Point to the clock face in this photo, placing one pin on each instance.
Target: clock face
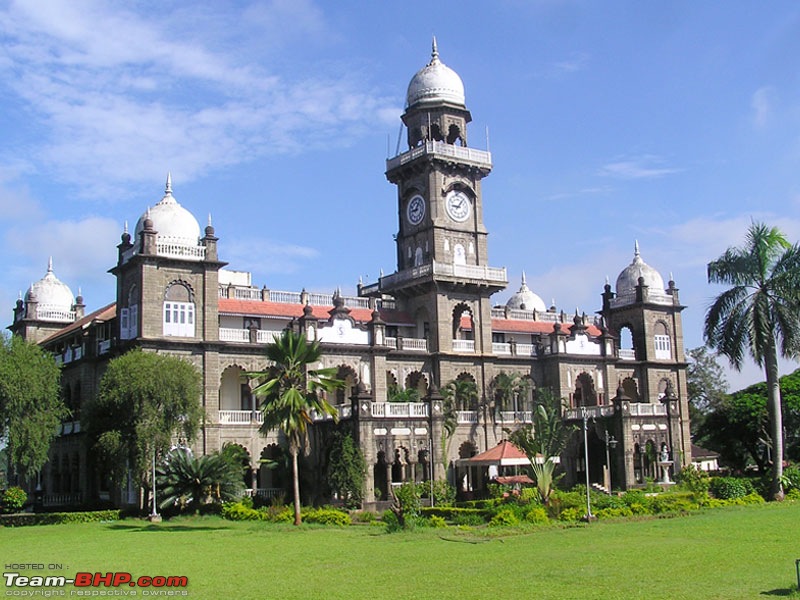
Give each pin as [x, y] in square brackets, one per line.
[458, 206]
[415, 211]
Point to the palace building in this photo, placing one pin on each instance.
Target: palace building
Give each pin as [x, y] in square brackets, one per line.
[621, 371]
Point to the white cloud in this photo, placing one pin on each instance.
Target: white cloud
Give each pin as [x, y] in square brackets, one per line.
[762, 105]
[646, 166]
[122, 96]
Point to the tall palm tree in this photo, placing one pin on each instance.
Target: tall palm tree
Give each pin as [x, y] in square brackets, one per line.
[759, 315]
[291, 392]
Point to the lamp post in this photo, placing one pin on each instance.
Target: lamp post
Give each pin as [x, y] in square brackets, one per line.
[611, 442]
[588, 517]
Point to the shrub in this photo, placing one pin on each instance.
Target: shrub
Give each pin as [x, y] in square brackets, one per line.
[452, 513]
[791, 478]
[468, 519]
[435, 521]
[326, 516]
[237, 511]
[793, 494]
[536, 514]
[678, 502]
[23, 519]
[570, 515]
[366, 516]
[530, 495]
[693, 480]
[13, 499]
[504, 518]
[444, 494]
[726, 488]
[607, 513]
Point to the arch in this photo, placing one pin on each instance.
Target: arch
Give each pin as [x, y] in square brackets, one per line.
[463, 330]
[379, 473]
[234, 390]
[179, 309]
[631, 389]
[454, 135]
[179, 290]
[465, 392]
[418, 381]
[240, 455]
[274, 471]
[418, 257]
[662, 343]
[626, 338]
[585, 394]
[347, 374]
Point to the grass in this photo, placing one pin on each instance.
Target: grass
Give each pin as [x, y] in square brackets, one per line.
[735, 552]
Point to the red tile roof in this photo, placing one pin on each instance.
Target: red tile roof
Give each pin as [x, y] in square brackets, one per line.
[229, 306]
[505, 453]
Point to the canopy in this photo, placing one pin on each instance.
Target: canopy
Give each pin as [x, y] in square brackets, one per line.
[505, 454]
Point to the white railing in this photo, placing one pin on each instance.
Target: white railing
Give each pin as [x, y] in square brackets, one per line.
[266, 336]
[496, 274]
[415, 344]
[519, 416]
[178, 250]
[391, 342]
[526, 350]
[103, 346]
[233, 335]
[45, 312]
[639, 409]
[654, 296]
[235, 417]
[501, 348]
[404, 275]
[592, 412]
[399, 409]
[480, 157]
[463, 345]
[467, 416]
[627, 354]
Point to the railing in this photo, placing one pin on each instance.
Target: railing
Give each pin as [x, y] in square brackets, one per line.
[467, 416]
[463, 345]
[266, 336]
[45, 312]
[627, 354]
[640, 409]
[399, 409]
[178, 250]
[592, 412]
[526, 350]
[496, 274]
[501, 348]
[479, 157]
[414, 344]
[268, 493]
[284, 297]
[523, 416]
[654, 296]
[235, 417]
[71, 499]
[233, 335]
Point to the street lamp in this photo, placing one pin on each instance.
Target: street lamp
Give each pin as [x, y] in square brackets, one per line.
[588, 517]
[611, 442]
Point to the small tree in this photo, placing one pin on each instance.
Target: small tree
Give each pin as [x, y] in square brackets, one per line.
[347, 469]
[145, 400]
[189, 483]
[706, 384]
[291, 392]
[30, 407]
[544, 440]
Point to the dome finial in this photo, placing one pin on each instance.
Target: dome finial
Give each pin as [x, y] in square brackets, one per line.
[434, 50]
[125, 227]
[50, 265]
[168, 189]
[209, 219]
[636, 248]
[523, 278]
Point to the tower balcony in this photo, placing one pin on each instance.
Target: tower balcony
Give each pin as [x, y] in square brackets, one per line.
[480, 159]
[476, 275]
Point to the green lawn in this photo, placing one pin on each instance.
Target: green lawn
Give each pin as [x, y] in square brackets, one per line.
[728, 553]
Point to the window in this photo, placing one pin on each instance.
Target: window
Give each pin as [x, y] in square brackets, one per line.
[663, 346]
[179, 319]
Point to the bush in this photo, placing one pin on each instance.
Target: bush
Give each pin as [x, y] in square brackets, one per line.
[530, 495]
[366, 516]
[570, 515]
[504, 518]
[727, 488]
[607, 513]
[537, 515]
[469, 519]
[13, 499]
[678, 502]
[237, 511]
[23, 519]
[326, 516]
[453, 514]
[791, 478]
[444, 494]
[435, 521]
[693, 480]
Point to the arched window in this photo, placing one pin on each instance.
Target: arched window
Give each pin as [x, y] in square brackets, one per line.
[662, 342]
[234, 391]
[585, 394]
[179, 310]
[459, 255]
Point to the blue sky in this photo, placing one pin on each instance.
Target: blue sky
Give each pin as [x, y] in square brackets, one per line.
[671, 123]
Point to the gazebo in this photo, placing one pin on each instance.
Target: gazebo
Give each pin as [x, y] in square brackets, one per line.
[501, 463]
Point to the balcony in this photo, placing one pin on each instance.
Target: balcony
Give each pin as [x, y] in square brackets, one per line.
[479, 158]
[464, 346]
[626, 354]
[239, 417]
[402, 410]
[467, 416]
[518, 416]
[592, 412]
[639, 409]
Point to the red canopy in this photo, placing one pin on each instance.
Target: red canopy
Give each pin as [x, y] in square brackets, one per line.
[505, 454]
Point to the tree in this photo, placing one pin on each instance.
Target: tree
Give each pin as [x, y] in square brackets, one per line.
[509, 389]
[759, 315]
[30, 407]
[706, 384]
[347, 469]
[458, 394]
[292, 392]
[543, 440]
[188, 482]
[145, 400]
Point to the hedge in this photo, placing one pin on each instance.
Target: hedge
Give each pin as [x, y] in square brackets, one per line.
[59, 518]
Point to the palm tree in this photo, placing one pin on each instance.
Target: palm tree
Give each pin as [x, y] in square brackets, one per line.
[292, 392]
[190, 482]
[759, 315]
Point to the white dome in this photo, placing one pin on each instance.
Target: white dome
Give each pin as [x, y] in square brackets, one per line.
[525, 299]
[435, 82]
[173, 223]
[50, 292]
[629, 278]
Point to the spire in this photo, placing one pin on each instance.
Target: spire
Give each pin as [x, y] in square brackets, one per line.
[434, 51]
[636, 249]
[209, 219]
[168, 189]
[50, 265]
[523, 278]
[125, 227]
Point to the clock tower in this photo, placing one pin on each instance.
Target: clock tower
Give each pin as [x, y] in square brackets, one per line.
[443, 275]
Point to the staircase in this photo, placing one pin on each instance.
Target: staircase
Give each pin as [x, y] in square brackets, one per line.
[601, 488]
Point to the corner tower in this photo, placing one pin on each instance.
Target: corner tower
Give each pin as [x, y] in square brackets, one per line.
[443, 273]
